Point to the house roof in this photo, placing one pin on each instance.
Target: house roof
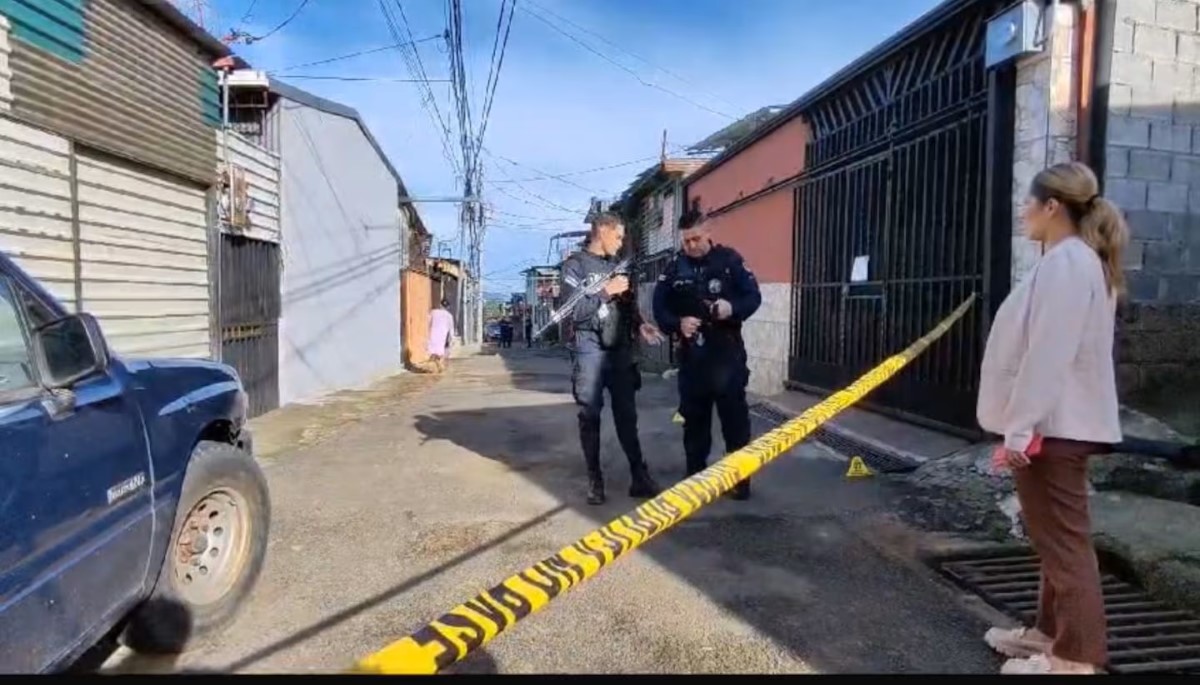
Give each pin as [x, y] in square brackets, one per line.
[683, 166]
[307, 99]
[734, 132]
[168, 11]
[942, 13]
[549, 270]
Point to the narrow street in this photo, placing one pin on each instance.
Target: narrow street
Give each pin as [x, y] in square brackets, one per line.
[409, 511]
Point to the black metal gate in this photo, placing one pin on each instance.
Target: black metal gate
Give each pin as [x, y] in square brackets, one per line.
[895, 223]
[249, 316]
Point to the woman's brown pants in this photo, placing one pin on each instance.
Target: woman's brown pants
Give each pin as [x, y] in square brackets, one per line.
[1053, 491]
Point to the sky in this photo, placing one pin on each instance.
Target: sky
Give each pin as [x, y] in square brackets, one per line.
[585, 92]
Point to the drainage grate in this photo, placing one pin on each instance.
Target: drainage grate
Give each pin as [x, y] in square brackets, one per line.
[1144, 634]
[878, 459]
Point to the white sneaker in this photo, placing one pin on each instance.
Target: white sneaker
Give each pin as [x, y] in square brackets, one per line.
[1017, 643]
[1038, 664]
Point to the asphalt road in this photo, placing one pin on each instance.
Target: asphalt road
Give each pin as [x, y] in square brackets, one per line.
[420, 501]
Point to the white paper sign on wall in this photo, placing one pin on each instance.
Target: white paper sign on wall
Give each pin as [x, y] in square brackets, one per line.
[859, 269]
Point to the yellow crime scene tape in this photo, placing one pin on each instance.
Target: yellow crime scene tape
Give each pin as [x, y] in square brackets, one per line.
[470, 625]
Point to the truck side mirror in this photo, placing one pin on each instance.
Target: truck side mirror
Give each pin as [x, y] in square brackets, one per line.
[70, 349]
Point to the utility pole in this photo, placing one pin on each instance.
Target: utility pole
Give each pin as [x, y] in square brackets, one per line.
[662, 155]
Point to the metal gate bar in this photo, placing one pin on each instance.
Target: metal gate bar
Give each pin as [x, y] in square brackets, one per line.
[898, 174]
[249, 313]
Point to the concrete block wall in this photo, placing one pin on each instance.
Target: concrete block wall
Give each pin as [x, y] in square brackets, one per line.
[1045, 129]
[1153, 174]
[767, 335]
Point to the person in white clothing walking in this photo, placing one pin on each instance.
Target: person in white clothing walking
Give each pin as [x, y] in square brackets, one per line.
[441, 327]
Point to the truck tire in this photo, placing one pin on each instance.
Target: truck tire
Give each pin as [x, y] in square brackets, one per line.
[215, 555]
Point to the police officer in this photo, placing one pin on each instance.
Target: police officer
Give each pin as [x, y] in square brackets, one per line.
[605, 324]
[703, 296]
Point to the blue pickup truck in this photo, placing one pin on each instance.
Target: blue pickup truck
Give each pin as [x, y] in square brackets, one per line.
[131, 507]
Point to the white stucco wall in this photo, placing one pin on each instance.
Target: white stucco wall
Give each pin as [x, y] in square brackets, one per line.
[341, 258]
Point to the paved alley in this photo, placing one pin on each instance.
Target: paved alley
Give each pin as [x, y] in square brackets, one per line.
[404, 513]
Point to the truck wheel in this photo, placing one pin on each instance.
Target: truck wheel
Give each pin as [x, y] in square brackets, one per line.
[215, 554]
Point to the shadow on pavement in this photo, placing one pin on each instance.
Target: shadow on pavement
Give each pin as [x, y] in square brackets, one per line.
[792, 562]
[308, 632]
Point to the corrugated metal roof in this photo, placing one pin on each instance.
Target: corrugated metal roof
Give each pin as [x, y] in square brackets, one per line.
[935, 17]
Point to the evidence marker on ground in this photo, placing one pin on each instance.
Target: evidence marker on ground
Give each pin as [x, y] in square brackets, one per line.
[858, 469]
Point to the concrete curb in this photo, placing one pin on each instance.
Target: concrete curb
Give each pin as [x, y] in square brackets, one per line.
[847, 434]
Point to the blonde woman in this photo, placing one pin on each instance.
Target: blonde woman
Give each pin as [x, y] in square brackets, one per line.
[1048, 386]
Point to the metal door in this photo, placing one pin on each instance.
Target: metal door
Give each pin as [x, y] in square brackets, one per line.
[250, 310]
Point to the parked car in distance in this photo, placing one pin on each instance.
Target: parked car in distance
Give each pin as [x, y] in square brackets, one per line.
[491, 332]
[131, 506]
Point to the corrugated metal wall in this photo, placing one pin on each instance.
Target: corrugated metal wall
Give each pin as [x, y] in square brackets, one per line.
[35, 206]
[261, 170]
[144, 257]
[657, 220]
[115, 76]
[5, 70]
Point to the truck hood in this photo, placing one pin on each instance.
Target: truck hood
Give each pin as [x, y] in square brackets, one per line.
[193, 368]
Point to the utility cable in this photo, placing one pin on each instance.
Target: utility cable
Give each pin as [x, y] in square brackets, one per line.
[624, 68]
[634, 55]
[285, 22]
[360, 53]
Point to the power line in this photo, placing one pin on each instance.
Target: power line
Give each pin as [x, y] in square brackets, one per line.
[546, 174]
[249, 10]
[428, 101]
[490, 97]
[622, 67]
[546, 204]
[360, 53]
[634, 55]
[526, 217]
[582, 172]
[515, 266]
[248, 39]
[385, 79]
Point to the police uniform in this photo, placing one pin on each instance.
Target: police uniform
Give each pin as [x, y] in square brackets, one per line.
[602, 359]
[712, 363]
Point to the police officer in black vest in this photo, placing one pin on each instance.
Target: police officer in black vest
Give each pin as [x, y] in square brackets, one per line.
[703, 296]
[605, 325]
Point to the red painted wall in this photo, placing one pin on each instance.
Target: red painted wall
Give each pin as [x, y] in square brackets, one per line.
[760, 229]
[762, 232]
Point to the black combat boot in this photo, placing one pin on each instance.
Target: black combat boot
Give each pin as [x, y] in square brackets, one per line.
[741, 491]
[642, 485]
[595, 494]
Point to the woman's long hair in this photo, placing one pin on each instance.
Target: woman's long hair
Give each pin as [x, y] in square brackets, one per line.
[1098, 221]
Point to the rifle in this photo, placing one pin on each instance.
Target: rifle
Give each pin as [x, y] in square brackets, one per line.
[621, 269]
